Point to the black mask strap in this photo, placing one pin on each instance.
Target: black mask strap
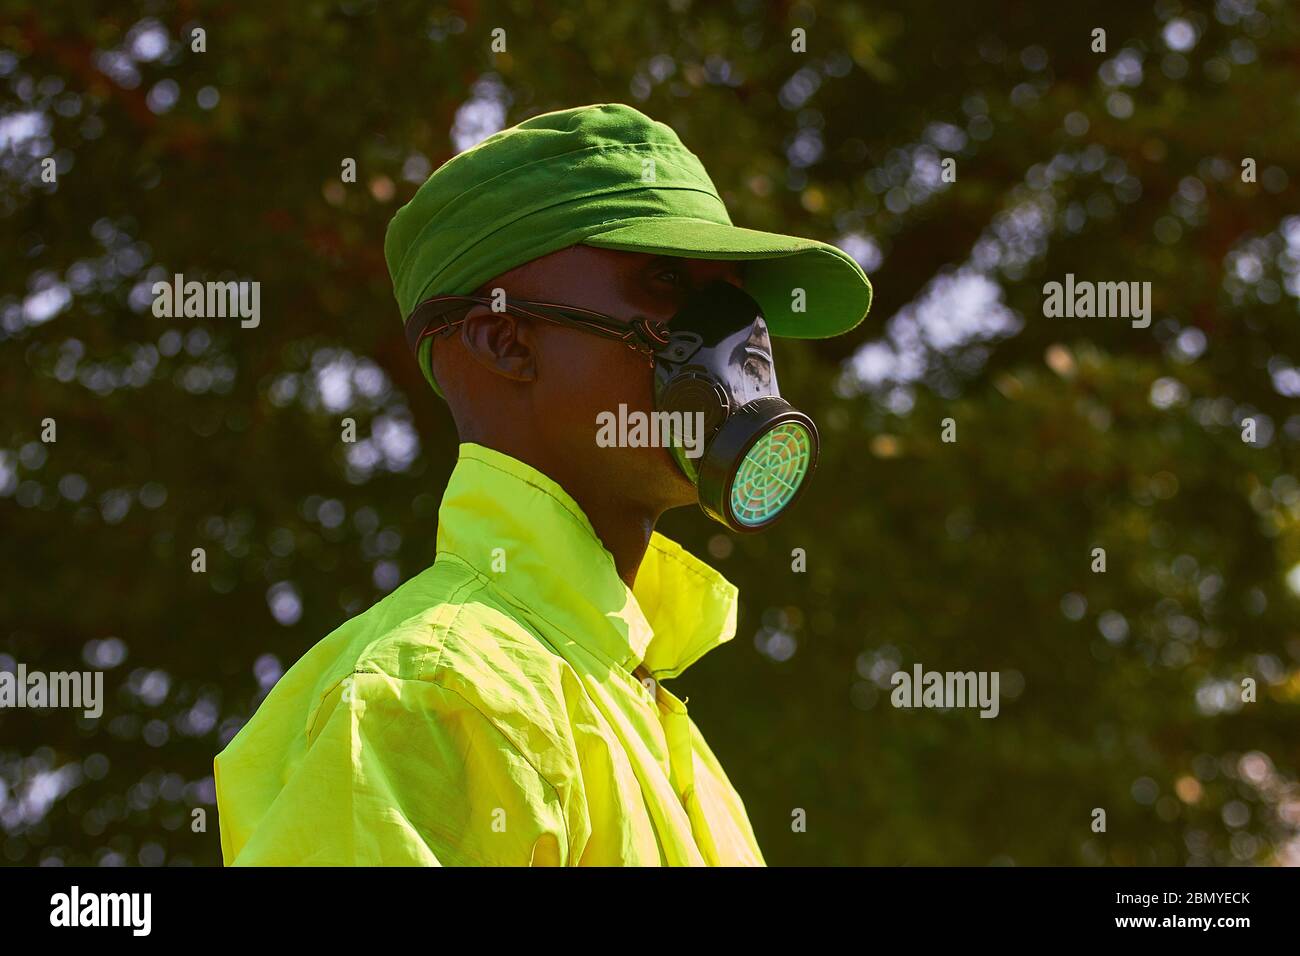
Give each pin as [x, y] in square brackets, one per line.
[439, 314]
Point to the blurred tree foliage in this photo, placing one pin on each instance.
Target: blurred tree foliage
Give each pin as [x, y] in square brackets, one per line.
[1121, 690]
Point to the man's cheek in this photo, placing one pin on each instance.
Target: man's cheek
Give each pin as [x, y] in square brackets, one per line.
[628, 382]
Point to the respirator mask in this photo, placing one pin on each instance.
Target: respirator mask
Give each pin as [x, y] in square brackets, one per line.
[712, 364]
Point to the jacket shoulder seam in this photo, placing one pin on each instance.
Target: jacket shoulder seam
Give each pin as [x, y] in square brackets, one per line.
[433, 681]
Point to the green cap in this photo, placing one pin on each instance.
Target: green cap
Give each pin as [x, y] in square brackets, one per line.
[606, 176]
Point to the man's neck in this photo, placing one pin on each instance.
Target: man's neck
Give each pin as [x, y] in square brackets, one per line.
[624, 527]
[623, 530]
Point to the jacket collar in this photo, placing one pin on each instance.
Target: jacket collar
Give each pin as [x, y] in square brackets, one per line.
[522, 531]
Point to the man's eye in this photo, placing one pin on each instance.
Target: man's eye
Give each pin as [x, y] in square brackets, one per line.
[673, 276]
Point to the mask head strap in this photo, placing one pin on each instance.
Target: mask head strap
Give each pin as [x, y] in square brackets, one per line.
[437, 315]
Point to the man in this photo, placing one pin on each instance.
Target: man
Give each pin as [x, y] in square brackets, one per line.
[504, 706]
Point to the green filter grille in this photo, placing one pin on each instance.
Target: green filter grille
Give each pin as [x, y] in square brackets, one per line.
[771, 474]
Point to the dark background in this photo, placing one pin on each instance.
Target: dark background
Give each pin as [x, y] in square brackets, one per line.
[1120, 690]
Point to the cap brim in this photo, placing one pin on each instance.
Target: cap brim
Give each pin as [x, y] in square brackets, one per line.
[836, 292]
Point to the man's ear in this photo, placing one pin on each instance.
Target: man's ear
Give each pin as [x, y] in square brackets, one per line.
[500, 342]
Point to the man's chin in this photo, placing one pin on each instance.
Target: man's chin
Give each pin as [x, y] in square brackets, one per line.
[680, 490]
[690, 502]
[667, 488]
[683, 494]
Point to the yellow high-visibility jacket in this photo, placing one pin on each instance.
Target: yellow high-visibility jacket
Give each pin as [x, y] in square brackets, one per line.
[486, 712]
